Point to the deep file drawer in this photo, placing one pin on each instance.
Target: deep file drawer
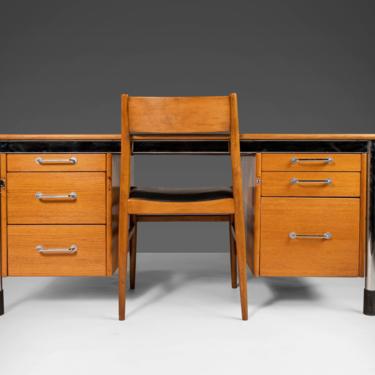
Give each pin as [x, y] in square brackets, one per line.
[56, 198]
[309, 237]
[56, 250]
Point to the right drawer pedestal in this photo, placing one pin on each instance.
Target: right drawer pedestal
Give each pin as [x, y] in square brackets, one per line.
[307, 215]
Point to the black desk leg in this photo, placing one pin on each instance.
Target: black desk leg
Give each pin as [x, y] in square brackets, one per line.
[369, 295]
[1, 302]
[1, 265]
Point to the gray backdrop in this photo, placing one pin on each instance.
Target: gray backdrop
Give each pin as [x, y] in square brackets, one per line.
[298, 66]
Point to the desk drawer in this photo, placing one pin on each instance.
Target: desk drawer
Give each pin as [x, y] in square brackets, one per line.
[311, 184]
[56, 250]
[311, 162]
[56, 162]
[285, 251]
[56, 198]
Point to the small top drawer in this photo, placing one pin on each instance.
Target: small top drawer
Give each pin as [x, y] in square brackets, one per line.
[56, 162]
[311, 162]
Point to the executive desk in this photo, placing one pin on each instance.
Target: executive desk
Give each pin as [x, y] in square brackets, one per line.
[35, 223]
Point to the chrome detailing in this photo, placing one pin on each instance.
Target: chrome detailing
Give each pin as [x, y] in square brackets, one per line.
[70, 250]
[295, 160]
[295, 181]
[71, 196]
[73, 160]
[324, 236]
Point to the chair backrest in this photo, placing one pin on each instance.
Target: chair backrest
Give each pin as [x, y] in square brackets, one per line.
[175, 116]
[178, 115]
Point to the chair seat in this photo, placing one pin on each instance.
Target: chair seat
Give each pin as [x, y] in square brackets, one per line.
[180, 195]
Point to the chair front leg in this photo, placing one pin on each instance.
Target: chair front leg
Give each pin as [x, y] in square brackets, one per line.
[241, 256]
[233, 256]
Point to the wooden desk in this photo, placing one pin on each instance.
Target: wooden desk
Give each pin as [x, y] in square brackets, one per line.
[19, 230]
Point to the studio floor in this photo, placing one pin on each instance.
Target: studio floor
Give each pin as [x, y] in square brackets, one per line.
[184, 318]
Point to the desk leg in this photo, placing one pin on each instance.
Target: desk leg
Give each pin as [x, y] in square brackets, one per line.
[369, 294]
[1, 297]
[1, 260]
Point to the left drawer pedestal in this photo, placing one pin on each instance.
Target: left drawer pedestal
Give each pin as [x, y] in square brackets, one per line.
[58, 215]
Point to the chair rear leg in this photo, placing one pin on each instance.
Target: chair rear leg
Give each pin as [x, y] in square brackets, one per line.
[133, 252]
[233, 256]
[123, 248]
[241, 256]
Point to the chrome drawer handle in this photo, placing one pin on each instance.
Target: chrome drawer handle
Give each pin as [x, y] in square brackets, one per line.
[324, 236]
[71, 196]
[295, 160]
[70, 250]
[295, 181]
[73, 160]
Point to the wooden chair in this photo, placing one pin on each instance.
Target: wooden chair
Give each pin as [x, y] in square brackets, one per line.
[145, 118]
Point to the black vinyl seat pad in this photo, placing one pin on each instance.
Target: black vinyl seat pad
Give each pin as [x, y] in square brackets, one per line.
[180, 195]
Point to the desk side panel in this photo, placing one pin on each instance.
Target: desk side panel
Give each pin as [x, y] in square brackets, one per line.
[113, 170]
[251, 196]
[3, 219]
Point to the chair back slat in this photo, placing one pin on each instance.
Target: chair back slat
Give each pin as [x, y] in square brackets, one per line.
[179, 115]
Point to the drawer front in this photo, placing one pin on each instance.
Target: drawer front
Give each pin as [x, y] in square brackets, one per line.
[56, 250]
[56, 162]
[311, 162]
[56, 198]
[285, 251]
[311, 184]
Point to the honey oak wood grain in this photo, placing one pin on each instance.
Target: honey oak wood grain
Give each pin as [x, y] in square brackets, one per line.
[314, 137]
[257, 214]
[133, 251]
[178, 137]
[213, 207]
[28, 163]
[233, 255]
[111, 251]
[363, 217]
[344, 184]
[115, 181]
[283, 162]
[24, 260]
[178, 114]
[60, 137]
[282, 256]
[251, 169]
[244, 136]
[25, 208]
[174, 218]
[239, 222]
[125, 180]
[4, 219]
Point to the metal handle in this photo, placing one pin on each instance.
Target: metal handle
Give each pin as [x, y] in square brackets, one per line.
[70, 250]
[326, 181]
[295, 160]
[71, 196]
[73, 160]
[324, 236]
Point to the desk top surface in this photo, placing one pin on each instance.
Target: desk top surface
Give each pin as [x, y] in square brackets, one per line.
[246, 136]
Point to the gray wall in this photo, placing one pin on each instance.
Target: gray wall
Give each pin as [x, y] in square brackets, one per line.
[298, 66]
